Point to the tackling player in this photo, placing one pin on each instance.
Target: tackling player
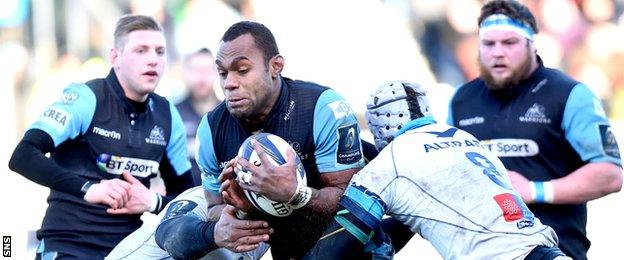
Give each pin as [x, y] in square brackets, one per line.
[440, 181]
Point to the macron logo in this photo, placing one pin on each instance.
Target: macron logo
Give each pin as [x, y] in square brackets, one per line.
[471, 121]
[107, 133]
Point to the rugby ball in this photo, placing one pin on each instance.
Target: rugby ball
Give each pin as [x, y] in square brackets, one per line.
[276, 149]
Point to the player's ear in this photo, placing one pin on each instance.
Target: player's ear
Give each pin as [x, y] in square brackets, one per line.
[276, 65]
[113, 55]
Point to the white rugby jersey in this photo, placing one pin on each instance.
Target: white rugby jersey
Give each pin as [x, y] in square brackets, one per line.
[141, 244]
[439, 180]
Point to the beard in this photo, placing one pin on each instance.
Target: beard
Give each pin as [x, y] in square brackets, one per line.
[517, 75]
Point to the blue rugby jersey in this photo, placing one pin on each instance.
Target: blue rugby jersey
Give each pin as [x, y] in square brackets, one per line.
[97, 135]
[191, 121]
[545, 128]
[319, 125]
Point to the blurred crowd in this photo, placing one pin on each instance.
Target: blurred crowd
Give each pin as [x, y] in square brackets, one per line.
[46, 44]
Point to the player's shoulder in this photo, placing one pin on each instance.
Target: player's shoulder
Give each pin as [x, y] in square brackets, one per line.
[469, 89]
[559, 77]
[306, 86]
[77, 92]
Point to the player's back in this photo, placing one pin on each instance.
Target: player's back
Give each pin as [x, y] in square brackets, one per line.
[440, 181]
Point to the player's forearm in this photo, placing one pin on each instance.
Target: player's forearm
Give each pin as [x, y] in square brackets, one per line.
[29, 160]
[323, 202]
[186, 237]
[592, 181]
[215, 205]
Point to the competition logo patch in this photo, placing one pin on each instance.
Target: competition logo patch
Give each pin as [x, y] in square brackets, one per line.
[609, 144]
[179, 208]
[157, 136]
[117, 165]
[535, 114]
[348, 145]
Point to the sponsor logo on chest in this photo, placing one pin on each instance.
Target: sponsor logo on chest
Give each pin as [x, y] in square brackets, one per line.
[156, 136]
[118, 164]
[535, 114]
[509, 147]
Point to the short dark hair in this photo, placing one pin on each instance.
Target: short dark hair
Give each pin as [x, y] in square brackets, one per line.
[129, 23]
[201, 51]
[511, 8]
[263, 38]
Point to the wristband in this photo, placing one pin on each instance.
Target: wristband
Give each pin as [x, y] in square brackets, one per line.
[85, 187]
[542, 192]
[549, 192]
[156, 202]
[302, 196]
[208, 229]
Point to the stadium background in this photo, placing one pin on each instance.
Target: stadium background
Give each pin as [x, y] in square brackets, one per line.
[350, 45]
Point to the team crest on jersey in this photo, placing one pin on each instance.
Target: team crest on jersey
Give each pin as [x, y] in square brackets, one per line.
[609, 144]
[157, 136]
[348, 145]
[535, 114]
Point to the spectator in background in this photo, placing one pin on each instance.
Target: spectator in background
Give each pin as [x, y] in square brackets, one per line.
[98, 132]
[199, 75]
[549, 130]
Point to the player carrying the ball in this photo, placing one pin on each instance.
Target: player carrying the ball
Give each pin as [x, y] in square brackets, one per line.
[315, 120]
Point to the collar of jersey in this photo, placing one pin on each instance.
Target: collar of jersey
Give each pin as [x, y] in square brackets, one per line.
[113, 82]
[416, 123]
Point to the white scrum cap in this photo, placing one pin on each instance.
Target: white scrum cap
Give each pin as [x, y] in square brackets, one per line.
[391, 106]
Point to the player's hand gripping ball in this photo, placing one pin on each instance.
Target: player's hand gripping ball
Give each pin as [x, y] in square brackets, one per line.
[276, 149]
